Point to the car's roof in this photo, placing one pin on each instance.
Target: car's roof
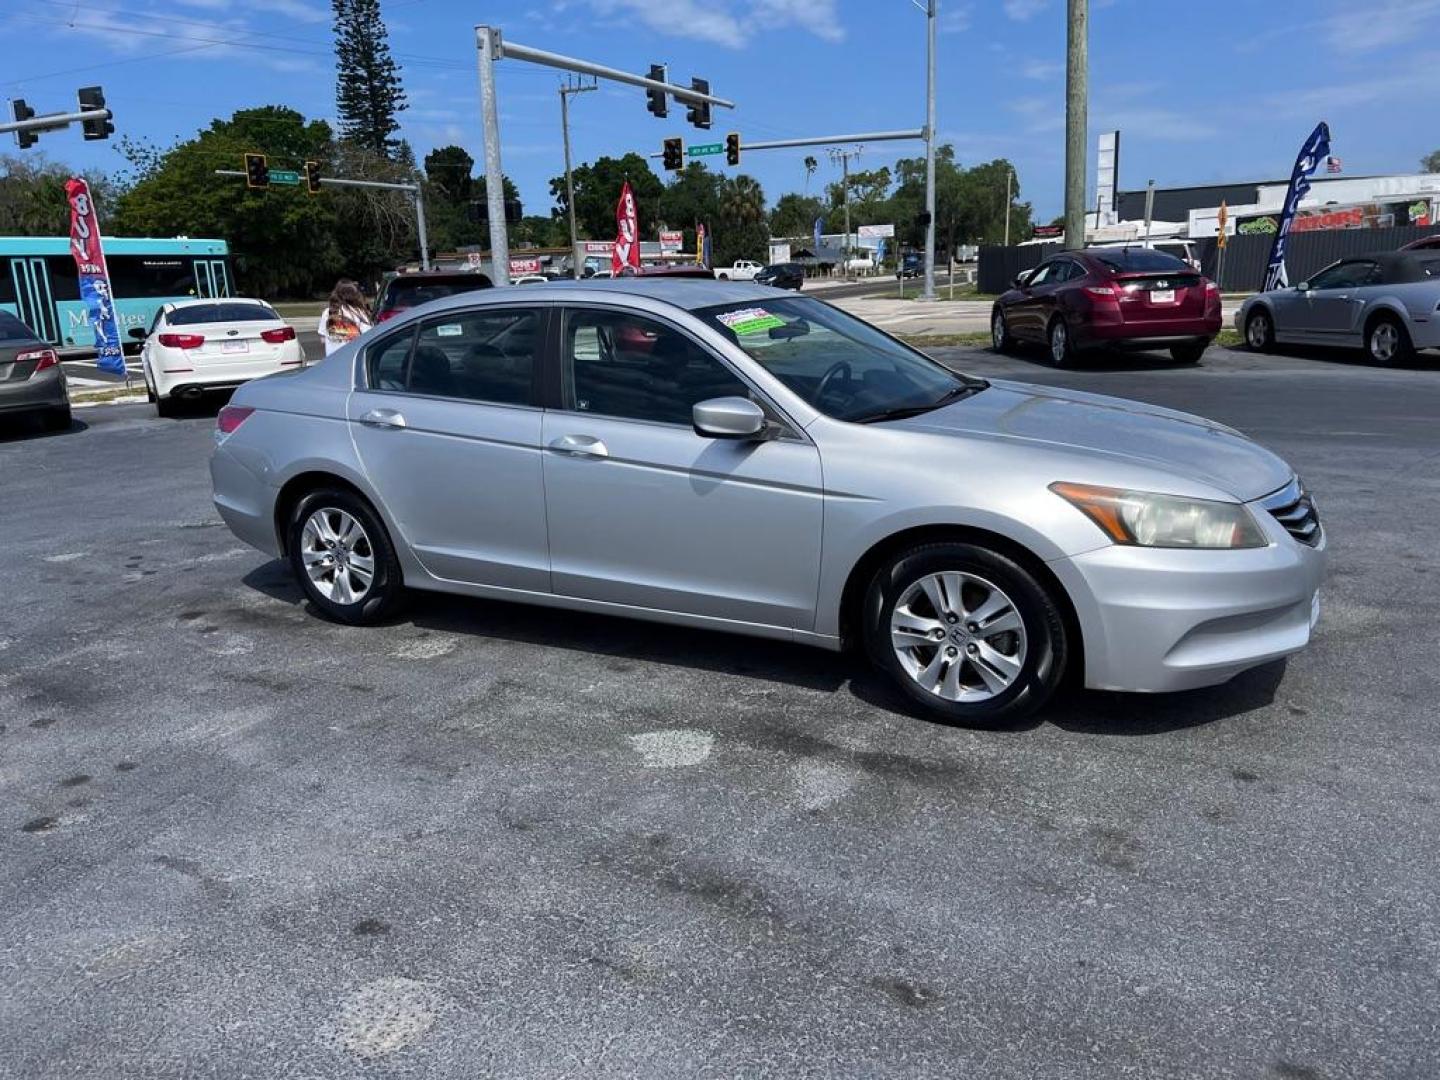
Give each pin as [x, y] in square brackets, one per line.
[687, 293]
[218, 300]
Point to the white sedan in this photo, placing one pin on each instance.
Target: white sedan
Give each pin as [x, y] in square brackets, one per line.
[199, 345]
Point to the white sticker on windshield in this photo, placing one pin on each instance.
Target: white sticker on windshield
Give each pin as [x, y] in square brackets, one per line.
[750, 320]
[449, 330]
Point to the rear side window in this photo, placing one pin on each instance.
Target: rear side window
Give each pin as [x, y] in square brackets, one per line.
[488, 355]
[385, 361]
[1138, 260]
[12, 329]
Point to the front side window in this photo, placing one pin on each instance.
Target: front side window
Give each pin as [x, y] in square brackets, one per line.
[619, 364]
[840, 365]
[1347, 275]
[1040, 276]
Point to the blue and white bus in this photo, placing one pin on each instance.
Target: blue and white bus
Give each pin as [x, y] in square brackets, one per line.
[38, 282]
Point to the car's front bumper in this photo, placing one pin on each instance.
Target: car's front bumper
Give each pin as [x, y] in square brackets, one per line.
[1166, 619]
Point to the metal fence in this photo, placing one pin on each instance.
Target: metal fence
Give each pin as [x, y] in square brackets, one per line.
[1245, 256]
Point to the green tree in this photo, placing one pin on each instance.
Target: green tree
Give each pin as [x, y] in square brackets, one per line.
[810, 166]
[285, 241]
[739, 228]
[32, 197]
[449, 169]
[794, 215]
[1431, 162]
[597, 191]
[368, 92]
[693, 195]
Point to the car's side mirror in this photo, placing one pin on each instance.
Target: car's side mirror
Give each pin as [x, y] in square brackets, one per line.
[1304, 286]
[1020, 280]
[138, 333]
[728, 418]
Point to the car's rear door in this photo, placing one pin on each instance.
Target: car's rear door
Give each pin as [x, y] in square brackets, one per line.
[448, 428]
[645, 512]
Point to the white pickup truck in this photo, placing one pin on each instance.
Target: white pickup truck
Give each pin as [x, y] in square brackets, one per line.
[743, 270]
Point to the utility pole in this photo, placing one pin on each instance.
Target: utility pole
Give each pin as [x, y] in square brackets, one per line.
[929, 291]
[843, 157]
[1149, 209]
[571, 87]
[1009, 176]
[1077, 93]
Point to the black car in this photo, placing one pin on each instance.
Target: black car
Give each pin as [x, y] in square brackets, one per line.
[781, 276]
[912, 264]
[411, 290]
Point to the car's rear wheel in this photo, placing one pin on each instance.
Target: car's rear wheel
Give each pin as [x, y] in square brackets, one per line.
[965, 632]
[1387, 342]
[1062, 345]
[1259, 332]
[342, 557]
[57, 419]
[1000, 338]
[1189, 353]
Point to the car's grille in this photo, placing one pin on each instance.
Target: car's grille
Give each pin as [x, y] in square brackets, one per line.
[1294, 509]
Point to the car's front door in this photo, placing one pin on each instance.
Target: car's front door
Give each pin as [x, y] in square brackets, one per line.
[1024, 314]
[448, 430]
[1332, 304]
[646, 513]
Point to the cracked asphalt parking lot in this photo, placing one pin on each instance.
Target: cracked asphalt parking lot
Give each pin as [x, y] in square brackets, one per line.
[486, 840]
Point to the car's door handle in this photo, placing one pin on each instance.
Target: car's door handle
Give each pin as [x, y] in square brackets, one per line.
[579, 446]
[386, 418]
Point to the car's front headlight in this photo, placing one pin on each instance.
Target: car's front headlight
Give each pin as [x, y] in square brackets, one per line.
[1145, 519]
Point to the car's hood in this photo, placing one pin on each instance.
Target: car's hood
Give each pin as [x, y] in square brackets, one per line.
[1113, 428]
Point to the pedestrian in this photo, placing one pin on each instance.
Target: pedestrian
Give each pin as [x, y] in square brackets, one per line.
[345, 317]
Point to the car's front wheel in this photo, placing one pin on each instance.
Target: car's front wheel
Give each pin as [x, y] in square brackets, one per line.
[1387, 343]
[1259, 331]
[1000, 338]
[342, 557]
[965, 632]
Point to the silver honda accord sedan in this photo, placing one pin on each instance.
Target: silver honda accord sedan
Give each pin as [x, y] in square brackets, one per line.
[740, 458]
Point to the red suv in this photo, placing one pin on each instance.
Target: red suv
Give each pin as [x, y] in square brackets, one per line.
[1122, 298]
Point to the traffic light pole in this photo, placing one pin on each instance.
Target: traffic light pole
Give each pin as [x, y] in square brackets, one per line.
[413, 190]
[55, 121]
[492, 48]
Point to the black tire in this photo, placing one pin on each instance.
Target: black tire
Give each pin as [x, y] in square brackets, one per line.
[1189, 353]
[1400, 350]
[57, 419]
[1260, 331]
[166, 407]
[1046, 649]
[1001, 340]
[387, 588]
[1066, 356]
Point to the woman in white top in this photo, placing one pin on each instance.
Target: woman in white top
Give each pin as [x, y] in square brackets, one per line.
[344, 318]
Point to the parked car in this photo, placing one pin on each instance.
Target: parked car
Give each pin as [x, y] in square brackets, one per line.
[787, 275]
[1387, 304]
[743, 270]
[405, 291]
[1425, 243]
[198, 345]
[719, 455]
[912, 265]
[32, 382]
[1119, 298]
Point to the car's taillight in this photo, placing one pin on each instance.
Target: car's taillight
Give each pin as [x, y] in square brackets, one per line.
[275, 337]
[1101, 292]
[44, 358]
[387, 315]
[1212, 289]
[182, 341]
[231, 417]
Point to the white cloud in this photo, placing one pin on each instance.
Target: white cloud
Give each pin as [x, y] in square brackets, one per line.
[1379, 24]
[728, 23]
[955, 18]
[1022, 10]
[1041, 70]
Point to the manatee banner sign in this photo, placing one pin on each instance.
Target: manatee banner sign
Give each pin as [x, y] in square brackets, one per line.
[94, 277]
[1315, 150]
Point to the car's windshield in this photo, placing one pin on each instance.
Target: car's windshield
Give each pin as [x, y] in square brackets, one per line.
[12, 329]
[840, 365]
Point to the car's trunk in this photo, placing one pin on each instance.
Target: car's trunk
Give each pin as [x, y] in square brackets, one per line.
[1160, 297]
[10, 369]
[232, 344]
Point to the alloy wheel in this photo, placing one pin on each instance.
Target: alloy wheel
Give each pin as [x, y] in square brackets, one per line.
[1257, 331]
[1384, 342]
[958, 636]
[997, 331]
[1059, 343]
[338, 556]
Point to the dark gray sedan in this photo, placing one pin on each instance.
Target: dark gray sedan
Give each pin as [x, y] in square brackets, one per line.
[31, 379]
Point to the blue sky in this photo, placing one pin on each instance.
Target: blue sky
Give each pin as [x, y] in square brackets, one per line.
[1224, 90]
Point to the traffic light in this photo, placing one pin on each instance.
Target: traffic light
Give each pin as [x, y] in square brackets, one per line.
[257, 172]
[312, 177]
[514, 211]
[698, 112]
[674, 154]
[656, 104]
[92, 98]
[21, 111]
[732, 148]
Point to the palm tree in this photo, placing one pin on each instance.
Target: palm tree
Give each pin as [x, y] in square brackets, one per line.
[742, 201]
[810, 166]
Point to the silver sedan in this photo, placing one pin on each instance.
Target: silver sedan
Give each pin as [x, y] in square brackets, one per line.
[740, 458]
[1387, 304]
